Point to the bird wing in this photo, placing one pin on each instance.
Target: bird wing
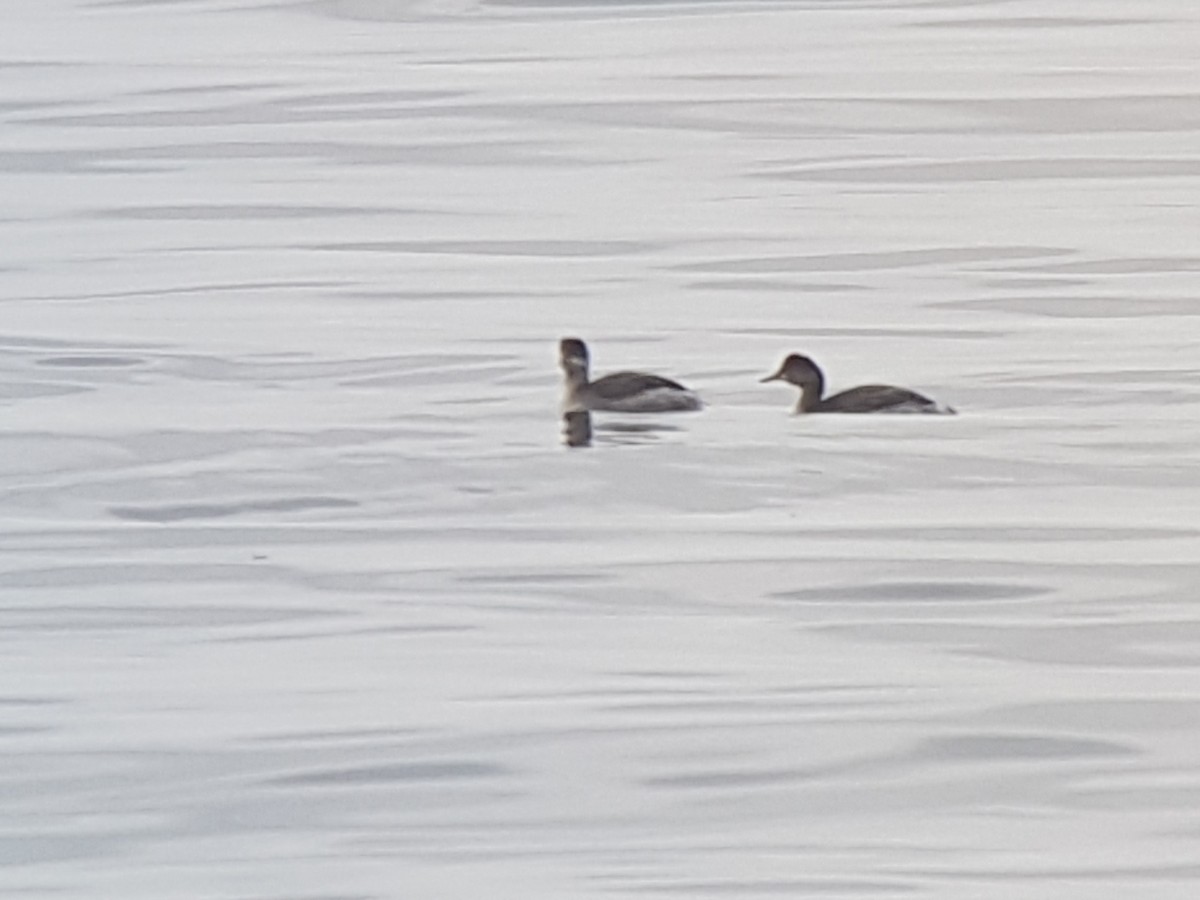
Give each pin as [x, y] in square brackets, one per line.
[620, 385]
[874, 398]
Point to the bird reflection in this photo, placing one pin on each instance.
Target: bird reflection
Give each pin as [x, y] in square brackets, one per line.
[577, 428]
[646, 428]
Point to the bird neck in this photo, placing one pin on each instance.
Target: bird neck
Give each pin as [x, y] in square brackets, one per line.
[575, 375]
[810, 394]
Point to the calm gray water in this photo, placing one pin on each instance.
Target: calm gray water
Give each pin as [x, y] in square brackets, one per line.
[302, 597]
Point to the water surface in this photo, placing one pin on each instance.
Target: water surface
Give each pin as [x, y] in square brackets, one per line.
[304, 597]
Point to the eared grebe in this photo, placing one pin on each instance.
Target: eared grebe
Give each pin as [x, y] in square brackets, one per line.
[870, 398]
[620, 391]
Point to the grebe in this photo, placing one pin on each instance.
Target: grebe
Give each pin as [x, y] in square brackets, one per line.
[620, 391]
[870, 398]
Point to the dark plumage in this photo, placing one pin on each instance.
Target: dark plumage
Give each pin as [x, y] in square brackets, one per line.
[620, 385]
[870, 398]
[620, 391]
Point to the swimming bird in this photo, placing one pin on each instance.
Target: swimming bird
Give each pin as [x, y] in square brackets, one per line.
[870, 398]
[620, 391]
